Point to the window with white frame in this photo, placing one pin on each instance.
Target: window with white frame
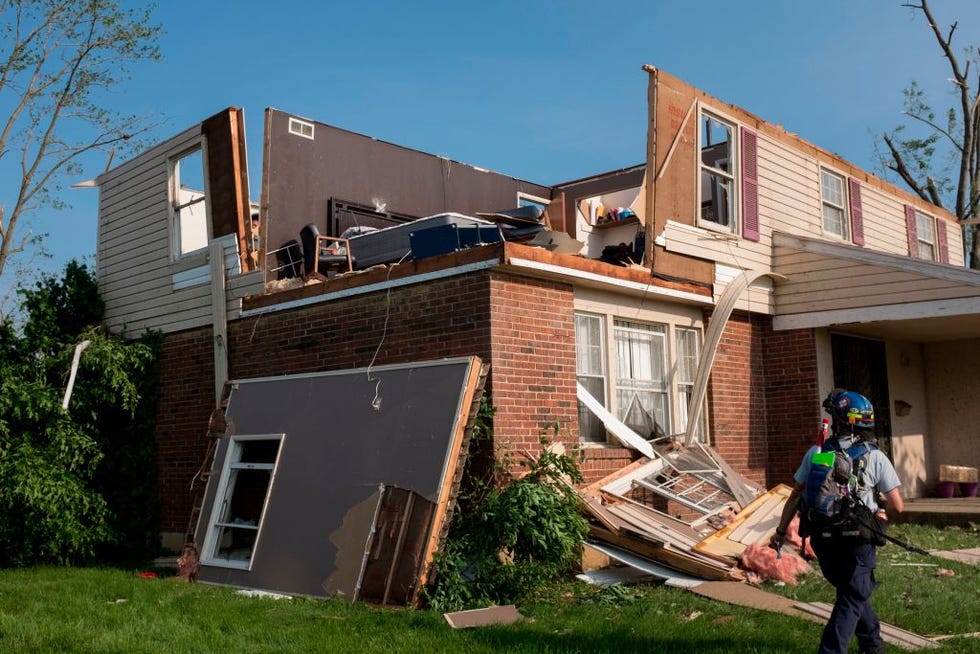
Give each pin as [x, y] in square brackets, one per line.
[188, 199]
[239, 505]
[590, 356]
[925, 226]
[301, 128]
[642, 385]
[688, 353]
[834, 203]
[637, 387]
[718, 173]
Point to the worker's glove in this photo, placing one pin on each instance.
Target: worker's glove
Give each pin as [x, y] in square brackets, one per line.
[777, 541]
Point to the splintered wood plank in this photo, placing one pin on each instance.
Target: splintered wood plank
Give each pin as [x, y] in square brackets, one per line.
[676, 559]
[760, 513]
[633, 515]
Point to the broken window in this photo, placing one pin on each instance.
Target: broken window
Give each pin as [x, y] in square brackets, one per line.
[591, 371]
[926, 233]
[189, 202]
[834, 203]
[243, 489]
[640, 384]
[717, 182]
[641, 374]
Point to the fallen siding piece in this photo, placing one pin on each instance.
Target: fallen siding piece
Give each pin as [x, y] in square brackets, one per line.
[963, 556]
[754, 523]
[614, 576]
[889, 633]
[670, 577]
[480, 617]
[740, 594]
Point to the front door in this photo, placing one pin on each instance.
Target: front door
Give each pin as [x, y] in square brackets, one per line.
[859, 365]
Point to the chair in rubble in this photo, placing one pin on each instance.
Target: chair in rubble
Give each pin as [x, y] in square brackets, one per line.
[322, 254]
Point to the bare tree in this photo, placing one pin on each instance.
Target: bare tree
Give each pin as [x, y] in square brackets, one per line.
[943, 165]
[58, 60]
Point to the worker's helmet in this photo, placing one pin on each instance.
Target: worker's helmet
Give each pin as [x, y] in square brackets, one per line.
[849, 410]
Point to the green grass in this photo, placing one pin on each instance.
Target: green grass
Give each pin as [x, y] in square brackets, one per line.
[47, 609]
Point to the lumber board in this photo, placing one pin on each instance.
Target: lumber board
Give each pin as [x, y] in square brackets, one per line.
[763, 511]
[675, 559]
[889, 633]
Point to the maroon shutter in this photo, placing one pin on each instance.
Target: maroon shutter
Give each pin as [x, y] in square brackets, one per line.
[750, 186]
[941, 243]
[857, 214]
[912, 231]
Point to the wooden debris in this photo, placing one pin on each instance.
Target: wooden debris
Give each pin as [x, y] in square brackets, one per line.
[757, 522]
[889, 633]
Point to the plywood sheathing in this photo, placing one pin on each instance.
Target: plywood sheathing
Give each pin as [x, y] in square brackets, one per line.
[336, 452]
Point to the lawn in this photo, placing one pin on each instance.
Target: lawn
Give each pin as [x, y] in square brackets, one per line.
[45, 609]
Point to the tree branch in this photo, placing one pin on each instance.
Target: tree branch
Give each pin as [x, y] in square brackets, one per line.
[899, 167]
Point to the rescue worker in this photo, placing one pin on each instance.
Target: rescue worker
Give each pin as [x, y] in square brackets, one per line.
[848, 562]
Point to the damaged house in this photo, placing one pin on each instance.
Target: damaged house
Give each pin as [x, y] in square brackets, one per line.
[350, 317]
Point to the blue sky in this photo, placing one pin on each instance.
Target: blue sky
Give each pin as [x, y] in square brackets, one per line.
[545, 91]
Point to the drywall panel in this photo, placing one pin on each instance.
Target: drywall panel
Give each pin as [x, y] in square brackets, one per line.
[347, 434]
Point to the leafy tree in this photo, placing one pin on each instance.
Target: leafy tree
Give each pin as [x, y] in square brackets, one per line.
[74, 482]
[940, 161]
[57, 60]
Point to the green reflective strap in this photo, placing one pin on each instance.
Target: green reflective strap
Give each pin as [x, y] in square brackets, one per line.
[823, 459]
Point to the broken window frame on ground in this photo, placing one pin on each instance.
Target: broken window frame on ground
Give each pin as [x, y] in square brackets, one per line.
[223, 524]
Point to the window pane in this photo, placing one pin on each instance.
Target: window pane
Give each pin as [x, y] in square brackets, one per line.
[833, 220]
[189, 203]
[716, 138]
[588, 345]
[687, 355]
[927, 252]
[590, 428]
[833, 188]
[717, 197]
[590, 365]
[641, 372]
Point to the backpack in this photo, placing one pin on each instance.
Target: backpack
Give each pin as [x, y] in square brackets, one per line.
[829, 494]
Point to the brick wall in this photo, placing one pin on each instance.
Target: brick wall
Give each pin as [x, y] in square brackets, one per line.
[793, 405]
[737, 397]
[761, 407]
[186, 402]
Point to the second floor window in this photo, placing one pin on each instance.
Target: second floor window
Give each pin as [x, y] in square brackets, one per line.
[834, 204]
[189, 203]
[718, 168]
[925, 226]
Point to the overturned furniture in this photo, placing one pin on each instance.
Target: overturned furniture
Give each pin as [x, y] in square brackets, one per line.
[338, 483]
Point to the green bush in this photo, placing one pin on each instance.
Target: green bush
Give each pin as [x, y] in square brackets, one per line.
[78, 481]
[509, 537]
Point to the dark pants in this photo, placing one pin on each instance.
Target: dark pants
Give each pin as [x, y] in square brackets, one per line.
[849, 567]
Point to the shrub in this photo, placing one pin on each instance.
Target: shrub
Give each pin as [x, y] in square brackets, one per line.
[508, 539]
